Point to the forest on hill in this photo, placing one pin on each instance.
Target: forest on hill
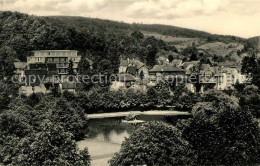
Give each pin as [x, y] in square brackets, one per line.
[102, 41]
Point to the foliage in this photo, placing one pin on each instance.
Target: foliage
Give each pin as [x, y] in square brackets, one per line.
[51, 146]
[192, 52]
[250, 100]
[70, 68]
[41, 130]
[221, 132]
[170, 58]
[8, 91]
[154, 143]
[249, 65]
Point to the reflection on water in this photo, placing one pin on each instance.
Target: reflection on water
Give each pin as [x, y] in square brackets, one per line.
[106, 135]
[114, 131]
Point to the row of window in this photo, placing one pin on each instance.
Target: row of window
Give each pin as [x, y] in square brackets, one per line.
[56, 53]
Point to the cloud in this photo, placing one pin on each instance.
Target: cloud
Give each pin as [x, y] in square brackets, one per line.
[170, 9]
[59, 7]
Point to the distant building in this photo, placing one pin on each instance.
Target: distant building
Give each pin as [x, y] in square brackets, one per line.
[54, 60]
[43, 71]
[164, 72]
[19, 69]
[213, 77]
[134, 67]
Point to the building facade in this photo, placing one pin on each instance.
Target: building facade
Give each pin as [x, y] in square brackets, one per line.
[54, 60]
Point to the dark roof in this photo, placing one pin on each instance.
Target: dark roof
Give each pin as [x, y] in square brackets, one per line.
[166, 68]
[131, 70]
[135, 62]
[126, 78]
[123, 62]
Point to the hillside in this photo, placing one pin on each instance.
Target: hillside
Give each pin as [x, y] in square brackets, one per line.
[105, 41]
[121, 27]
[221, 49]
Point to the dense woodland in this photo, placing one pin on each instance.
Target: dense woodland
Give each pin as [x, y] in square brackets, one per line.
[42, 129]
[102, 40]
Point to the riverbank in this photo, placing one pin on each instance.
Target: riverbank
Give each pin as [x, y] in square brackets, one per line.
[123, 114]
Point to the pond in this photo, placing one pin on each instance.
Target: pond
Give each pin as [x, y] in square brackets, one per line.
[106, 135]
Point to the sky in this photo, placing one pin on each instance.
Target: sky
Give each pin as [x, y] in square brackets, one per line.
[227, 17]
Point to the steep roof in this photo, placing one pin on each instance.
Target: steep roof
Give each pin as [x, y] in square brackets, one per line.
[135, 62]
[138, 64]
[123, 62]
[131, 70]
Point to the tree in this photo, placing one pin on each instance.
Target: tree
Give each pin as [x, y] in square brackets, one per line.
[170, 58]
[150, 58]
[142, 75]
[221, 132]
[137, 35]
[192, 52]
[51, 146]
[154, 143]
[70, 68]
[71, 118]
[250, 100]
[249, 65]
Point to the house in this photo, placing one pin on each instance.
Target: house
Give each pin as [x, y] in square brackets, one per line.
[33, 82]
[39, 81]
[127, 79]
[54, 60]
[134, 67]
[211, 76]
[19, 70]
[164, 72]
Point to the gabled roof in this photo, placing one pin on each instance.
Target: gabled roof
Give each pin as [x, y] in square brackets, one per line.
[138, 64]
[165, 68]
[135, 62]
[20, 65]
[131, 70]
[123, 62]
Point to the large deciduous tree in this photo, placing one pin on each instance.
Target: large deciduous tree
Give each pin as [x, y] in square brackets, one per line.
[154, 143]
[221, 132]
